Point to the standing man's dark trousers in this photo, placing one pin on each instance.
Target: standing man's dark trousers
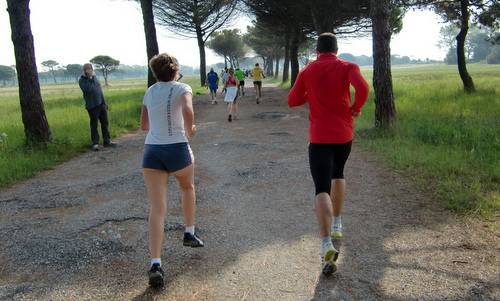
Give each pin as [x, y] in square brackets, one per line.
[99, 114]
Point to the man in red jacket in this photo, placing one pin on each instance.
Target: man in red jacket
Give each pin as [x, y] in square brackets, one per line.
[324, 85]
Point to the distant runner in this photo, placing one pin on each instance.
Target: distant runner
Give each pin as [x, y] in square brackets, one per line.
[167, 115]
[324, 85]
[257, 75]
[231, 87]
[224, 76]
[213, 84]
[240, 75]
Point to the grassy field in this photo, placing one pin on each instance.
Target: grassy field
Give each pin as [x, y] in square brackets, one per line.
[448, 140]
[68, 121]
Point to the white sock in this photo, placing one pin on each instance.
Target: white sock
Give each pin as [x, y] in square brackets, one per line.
[337, 220]
[189, 230]
[155, 261]
[326, 240]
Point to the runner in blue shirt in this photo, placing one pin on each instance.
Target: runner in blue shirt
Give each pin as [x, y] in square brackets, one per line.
[212, 84]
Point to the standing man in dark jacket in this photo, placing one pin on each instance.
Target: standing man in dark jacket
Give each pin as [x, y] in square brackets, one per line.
[96, 106]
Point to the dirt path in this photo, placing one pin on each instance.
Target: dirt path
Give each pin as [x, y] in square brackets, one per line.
[78, 232]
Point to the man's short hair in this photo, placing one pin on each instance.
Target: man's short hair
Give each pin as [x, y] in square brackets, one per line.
[327, 42]
[256, 64]
[164, 67]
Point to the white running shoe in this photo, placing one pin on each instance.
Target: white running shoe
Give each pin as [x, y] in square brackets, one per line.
[328, 253]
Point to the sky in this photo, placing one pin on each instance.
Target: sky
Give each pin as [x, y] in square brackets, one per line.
[74, 31]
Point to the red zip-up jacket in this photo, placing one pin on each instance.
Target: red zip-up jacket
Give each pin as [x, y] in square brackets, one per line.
[324, 84]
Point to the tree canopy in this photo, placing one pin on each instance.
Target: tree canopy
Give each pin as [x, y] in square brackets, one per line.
[74, 70]
[51, 65]
[6, 73]
[106, 65]
[195, 18]
[228, 43]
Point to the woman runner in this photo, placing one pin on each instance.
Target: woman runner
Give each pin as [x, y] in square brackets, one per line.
[167, 115]
[231, 85]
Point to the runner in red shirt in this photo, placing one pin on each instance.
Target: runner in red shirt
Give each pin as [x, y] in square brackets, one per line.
[324, 84]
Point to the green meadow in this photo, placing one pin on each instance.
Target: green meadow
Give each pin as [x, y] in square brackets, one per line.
[447, 140]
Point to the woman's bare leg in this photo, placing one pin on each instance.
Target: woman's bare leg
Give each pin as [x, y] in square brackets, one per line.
[185, 177]
[156, 186]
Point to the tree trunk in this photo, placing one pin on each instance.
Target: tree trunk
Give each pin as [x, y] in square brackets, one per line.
[461, 60]
[322, 20]
[286, 64]
[150, 32]
[294, 56]
[36, 127]
[203, 60]
[276, 72]
[105, 75]
[54, 76]
[385, 111]
[270, 65]
[203, 63]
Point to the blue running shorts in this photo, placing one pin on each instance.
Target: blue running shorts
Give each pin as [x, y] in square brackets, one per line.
[167, 157]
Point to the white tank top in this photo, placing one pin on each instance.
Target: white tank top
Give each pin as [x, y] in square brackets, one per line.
[166, 123]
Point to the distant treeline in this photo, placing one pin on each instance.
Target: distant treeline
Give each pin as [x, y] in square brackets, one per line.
[122, 72]
[72, 72]
[364, 60]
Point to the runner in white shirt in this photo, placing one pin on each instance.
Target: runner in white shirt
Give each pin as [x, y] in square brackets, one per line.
[167, 115]
[224, 76]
